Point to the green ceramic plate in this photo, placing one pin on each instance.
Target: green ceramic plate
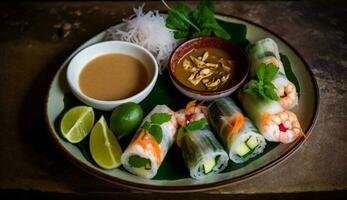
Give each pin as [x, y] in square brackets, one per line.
[173, 175]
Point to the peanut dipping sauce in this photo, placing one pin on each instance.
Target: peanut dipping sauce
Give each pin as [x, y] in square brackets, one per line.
[112, 77]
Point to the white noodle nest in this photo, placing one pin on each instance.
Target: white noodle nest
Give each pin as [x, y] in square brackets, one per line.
[148, 30]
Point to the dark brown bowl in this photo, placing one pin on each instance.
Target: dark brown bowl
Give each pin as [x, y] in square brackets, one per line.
[242, 67]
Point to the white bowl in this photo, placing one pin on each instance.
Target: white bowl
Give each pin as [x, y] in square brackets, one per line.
[83, 57]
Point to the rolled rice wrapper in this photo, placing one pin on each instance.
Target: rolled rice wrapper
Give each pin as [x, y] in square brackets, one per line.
[145, 146]
[200, 146]
[286, 90]
[234, 128]
[263, 48]
[273, 121]
[202, 153]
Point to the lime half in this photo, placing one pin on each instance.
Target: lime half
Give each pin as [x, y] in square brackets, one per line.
[104, 146]
[77, 123]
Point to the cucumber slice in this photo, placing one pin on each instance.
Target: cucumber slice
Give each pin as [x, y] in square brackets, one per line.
[208, 165]
[242, 149]
[140, 170]
[252, 142]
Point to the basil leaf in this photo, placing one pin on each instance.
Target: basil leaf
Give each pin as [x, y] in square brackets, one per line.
[261, 71]
[270, 72]
[156, 132]
[196, 125]
[160, 118]
[289, 73]
[137, 162]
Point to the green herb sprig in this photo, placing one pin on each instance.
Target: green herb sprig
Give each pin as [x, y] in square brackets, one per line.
[262, 85]
[192, 126]
[153, 126]
[188, 23]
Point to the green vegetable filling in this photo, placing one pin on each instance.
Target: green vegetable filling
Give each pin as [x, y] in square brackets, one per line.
[210, 164]
[262, 85]
[138, 162]
[188, 23]
[246, 148]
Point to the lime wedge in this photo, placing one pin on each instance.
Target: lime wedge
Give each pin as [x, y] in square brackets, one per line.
[104, 146]
[77, 123]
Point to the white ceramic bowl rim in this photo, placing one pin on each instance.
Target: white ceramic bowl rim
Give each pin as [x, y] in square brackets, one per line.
[120, 101]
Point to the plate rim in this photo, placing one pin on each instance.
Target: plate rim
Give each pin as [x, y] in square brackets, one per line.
[198, 187]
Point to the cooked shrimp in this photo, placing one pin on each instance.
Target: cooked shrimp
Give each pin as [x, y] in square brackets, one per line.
[192, 112]
[289, 98]
[280, 127]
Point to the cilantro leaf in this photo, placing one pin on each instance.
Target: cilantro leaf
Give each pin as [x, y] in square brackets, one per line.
[196, 125]
[160, 118]
[156, 132]
[138, 161]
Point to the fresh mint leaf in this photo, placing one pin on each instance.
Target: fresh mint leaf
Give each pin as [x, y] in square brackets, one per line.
[262, 85]
[160, 118]
[250, 90]
[196, 125]
[270, 91]
[204, 16]
[138, 161]
[146, 125]
[261, 71]
[289, 73]
[187, 23]
[176, 17]
[270, 72]
[156, 131]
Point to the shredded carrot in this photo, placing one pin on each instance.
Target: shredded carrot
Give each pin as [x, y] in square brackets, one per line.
[235, 123]
[143, 139]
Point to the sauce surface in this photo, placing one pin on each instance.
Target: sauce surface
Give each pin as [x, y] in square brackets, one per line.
[218, 64]
[112, 77]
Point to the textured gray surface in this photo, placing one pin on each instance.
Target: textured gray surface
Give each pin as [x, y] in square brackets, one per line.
[36, 38]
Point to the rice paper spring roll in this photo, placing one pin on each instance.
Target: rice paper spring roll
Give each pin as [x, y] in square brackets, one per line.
[240, 137]
[275, 123]
[149, 146]
[202, 153]
[263, 48]
[266, 51]
[285, 89]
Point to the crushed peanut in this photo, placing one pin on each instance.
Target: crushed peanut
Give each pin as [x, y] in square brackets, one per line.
[212, 75]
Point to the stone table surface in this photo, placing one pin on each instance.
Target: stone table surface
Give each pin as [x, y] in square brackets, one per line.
[35, 39]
